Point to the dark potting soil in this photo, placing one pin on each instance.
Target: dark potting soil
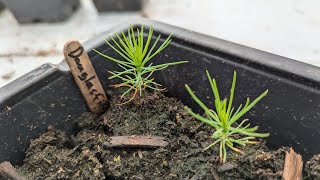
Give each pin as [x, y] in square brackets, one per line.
[312, 168]
[54, 155]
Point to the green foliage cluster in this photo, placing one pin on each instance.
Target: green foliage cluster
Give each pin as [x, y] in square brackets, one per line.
[136, 54]
[225, 116]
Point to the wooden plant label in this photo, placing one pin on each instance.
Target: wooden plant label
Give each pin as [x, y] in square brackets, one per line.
[7, 171]
[85, 75]
[293, 166]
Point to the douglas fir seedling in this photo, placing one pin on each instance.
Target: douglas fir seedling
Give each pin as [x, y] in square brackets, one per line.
[136, 63]
[224, 118]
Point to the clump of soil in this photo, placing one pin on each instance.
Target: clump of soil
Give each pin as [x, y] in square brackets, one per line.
[54, 155]
[312, 168]
[51, 156]
[257, 164]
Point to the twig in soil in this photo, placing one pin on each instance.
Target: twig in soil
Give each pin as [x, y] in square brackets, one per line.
[140, 154]
[198, 127]
[47, 160]
[8, 172]
[293, 165]
[136, 141]
[214, 174]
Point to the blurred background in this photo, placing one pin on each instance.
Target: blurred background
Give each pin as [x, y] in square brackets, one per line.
[33, 32]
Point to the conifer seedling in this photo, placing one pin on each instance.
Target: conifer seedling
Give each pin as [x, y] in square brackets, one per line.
[224, 120]
[136, 62]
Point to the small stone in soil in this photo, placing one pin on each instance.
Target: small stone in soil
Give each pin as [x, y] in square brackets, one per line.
[226, 167]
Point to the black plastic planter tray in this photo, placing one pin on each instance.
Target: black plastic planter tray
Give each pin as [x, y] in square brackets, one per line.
[290, 112]
[118, 5]
[2, 6]
[28, 11]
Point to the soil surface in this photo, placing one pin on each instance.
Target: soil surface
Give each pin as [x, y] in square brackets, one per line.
[54, 155]
[312, 168]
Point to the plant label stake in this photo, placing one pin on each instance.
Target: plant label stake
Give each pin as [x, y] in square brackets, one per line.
[293, 166]
[85, 75]
[7, 171]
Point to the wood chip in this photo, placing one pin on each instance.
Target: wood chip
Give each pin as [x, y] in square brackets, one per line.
[293, 166]
[136, 141]
[8, 172]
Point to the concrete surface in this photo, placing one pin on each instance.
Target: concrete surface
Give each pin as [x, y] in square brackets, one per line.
[289, 28]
